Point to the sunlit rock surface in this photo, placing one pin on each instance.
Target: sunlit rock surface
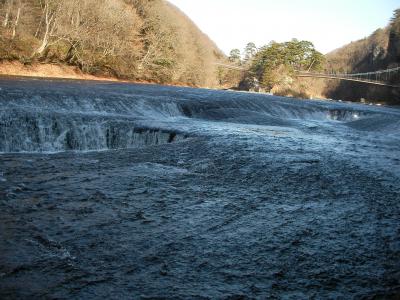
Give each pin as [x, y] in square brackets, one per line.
[139, 191]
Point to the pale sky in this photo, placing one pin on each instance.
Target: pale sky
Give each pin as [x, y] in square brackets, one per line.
[329, 24]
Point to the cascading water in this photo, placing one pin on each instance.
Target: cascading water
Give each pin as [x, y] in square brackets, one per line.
[51, 123]
[33, 132]
[283, 110]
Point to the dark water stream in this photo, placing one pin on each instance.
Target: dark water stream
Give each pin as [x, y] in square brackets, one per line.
[121, 191]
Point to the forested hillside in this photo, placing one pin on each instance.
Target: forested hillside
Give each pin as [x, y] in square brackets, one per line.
[381, 50]
[273, 67]
[128, 39]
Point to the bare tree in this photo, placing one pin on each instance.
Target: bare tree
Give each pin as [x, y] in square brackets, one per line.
[8, 6]
[17, 18]
[51, 8]
[128, 38]
[96, 32]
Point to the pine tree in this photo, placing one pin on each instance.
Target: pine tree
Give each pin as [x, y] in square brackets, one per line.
[234, 56]
[250, 51]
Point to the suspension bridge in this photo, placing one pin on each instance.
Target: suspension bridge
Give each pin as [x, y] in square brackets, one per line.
[231, 67]
[382, 77]
[389, 77]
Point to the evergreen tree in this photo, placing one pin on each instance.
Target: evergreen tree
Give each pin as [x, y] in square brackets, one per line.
[250, 51]
[278, 61]
[234, 56]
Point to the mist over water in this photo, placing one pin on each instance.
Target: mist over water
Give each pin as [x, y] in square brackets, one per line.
[143, 191]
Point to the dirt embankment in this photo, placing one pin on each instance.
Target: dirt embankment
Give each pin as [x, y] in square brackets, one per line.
[15, 68]
[47, 71]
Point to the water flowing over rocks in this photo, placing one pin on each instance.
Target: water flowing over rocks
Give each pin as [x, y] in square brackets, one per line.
[41, 133]
[127, 191]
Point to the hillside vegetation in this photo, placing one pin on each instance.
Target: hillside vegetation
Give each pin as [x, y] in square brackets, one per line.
[128, 39]
[152, 40]
[381, 50]
[273, 67]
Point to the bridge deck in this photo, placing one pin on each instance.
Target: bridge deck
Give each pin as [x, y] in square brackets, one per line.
[327, 76]
[346, 77]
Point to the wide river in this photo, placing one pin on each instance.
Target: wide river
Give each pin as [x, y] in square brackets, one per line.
[122, 191]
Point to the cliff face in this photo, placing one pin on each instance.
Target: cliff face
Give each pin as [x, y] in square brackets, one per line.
[379, 51]
[129, 39]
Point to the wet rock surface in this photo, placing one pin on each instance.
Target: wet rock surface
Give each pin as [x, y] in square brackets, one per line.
[261, 197]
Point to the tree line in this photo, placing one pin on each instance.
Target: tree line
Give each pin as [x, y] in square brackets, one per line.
[276, 63]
